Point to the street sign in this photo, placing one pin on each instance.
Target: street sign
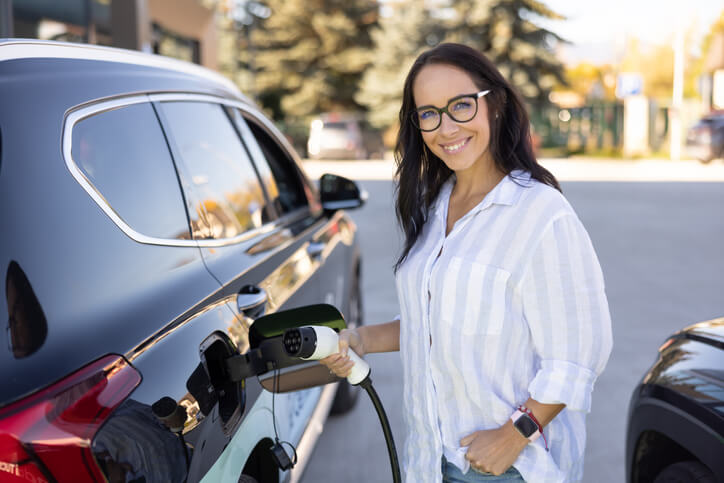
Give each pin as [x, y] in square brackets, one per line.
[629, 84]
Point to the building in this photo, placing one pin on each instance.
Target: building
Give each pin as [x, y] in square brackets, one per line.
[184, 29]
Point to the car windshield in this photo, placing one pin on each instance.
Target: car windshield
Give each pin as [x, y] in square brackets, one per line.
[335, 126]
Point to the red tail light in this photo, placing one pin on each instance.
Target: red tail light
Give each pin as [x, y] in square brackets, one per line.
[47, 436]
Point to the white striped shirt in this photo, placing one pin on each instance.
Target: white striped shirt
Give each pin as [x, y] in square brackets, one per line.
[513, 307]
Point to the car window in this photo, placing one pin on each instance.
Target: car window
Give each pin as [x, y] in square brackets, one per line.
[124, 155]
[219, 178]
[262, 168]
[270, 156]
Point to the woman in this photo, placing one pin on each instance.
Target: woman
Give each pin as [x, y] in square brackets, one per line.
[504, 323]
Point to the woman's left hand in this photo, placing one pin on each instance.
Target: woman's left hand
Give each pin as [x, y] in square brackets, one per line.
[494, 450]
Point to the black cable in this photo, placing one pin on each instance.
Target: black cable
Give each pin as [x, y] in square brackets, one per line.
[274, 391]
[274, 416]
[367, 385]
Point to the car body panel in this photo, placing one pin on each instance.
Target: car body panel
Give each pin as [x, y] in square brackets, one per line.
[705, 139]
[93, 288]
[682, 398]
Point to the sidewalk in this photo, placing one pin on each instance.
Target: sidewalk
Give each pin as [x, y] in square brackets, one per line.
[571, 169]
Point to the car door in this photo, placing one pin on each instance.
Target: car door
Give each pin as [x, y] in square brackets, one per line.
[260, 240]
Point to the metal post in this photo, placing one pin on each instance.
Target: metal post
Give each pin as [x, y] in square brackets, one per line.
[6, 18]
[677, 97]
[90, 28]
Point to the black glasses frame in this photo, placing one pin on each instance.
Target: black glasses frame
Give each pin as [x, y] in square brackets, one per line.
[440, 111]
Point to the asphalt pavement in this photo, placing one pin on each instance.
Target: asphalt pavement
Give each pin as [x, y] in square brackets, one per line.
[657, 228]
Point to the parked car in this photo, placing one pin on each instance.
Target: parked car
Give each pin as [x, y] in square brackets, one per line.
[149, 213]
[705, 139]
[343, 136]
[676, 416]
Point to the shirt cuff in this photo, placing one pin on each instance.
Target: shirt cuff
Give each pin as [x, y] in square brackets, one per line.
[563, 382]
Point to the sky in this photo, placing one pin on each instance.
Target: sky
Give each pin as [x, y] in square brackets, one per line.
[599, 29]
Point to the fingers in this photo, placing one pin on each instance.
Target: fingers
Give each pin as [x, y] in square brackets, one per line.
[340, 365]
[351, 339]
[467, 440]
[343, 345]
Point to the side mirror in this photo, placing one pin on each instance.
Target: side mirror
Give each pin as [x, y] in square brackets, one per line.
[291, 374]
[338, 193]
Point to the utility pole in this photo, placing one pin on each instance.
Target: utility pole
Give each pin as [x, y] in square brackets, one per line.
[6, 18]
[677, 97]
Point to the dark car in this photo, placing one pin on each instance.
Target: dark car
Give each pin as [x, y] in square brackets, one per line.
[705, 139]
[676, 415]
[150, 213]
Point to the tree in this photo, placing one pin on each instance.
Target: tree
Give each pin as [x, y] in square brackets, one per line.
[309, 55]
[404, 32]
[590, 82]
[502, 29]
[506, 32]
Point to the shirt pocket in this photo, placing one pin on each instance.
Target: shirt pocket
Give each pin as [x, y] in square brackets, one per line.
[474, 297]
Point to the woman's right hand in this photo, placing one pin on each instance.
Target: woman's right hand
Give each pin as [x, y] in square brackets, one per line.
[340, 363]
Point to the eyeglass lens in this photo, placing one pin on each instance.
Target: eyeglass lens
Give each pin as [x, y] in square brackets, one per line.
[462, 109]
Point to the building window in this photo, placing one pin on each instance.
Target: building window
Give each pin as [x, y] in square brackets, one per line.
[173, 45]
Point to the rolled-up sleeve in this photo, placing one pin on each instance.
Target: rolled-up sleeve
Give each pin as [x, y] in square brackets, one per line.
[565, 307]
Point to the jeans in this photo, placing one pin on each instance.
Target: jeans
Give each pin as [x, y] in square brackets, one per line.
[453, 474]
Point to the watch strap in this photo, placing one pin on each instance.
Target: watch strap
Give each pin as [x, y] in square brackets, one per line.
[522, 411]
[520, 414]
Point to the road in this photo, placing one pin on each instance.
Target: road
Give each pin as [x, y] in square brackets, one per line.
[660, 247]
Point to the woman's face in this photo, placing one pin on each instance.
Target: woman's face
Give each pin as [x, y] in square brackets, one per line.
[461, 146]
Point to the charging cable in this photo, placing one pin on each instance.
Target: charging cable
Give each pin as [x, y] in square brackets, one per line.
[317, 342]
[278, 453]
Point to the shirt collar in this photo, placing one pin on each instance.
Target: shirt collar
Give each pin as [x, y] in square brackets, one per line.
[506, 193]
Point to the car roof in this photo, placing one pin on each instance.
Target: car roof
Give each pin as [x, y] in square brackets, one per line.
[14, 49]
[711, 330]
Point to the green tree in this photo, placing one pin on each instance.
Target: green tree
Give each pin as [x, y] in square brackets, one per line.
[505, 30]
[309, 55]
[404, 32]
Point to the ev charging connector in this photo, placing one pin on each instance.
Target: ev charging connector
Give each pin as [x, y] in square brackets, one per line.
[279, 345]
[317, 342]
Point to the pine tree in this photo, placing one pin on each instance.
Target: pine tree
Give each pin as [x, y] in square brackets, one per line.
[506, 32]
[403, 34]
[309, 55]
[503, 29]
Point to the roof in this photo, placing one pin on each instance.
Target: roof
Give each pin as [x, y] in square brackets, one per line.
[12, 49]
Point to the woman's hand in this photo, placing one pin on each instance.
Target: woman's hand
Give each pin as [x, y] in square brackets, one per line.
[495, 450]
[339, 363]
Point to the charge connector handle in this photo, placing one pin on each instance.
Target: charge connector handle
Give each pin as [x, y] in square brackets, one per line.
[316, 342]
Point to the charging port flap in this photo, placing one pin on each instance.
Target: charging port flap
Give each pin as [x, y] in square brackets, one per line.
[215, 351]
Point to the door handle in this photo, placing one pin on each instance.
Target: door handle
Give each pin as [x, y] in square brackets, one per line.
[251, 301]
[315, 249]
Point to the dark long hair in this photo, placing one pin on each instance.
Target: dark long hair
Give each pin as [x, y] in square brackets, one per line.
[420, 173]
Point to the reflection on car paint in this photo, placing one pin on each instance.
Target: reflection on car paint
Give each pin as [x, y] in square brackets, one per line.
[27, 325]
[286, 279]
[685, 366]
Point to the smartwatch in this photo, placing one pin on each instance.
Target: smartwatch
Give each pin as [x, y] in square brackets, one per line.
[525, 425]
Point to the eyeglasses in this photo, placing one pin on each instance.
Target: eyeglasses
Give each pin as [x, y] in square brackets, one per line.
[460, 109]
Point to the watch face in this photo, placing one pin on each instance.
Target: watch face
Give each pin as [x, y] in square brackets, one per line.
[526, 426]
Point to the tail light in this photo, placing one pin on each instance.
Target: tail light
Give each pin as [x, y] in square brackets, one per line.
[47, 436]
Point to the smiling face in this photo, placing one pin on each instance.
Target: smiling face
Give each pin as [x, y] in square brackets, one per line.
[463, 147]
